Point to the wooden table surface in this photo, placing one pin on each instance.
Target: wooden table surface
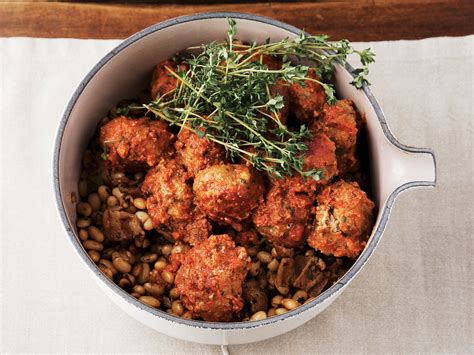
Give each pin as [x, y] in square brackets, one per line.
[357, 20]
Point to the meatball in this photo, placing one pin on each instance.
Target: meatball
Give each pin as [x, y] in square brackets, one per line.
[321, 155]
[210, 278]
[282, 88]
[134, 144]
[283, 217]
[308, 100]
[228, 193]
[197, 153]
[170, 203]
[163, 81]
[343, 220]
[339, 123]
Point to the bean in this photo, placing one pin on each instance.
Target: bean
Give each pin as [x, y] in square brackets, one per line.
[276, 301]
[92, 245]
[142, 216]
[166, 302]
[289, 303]
[300, 296]
[107, 272]
[103, 192]
[146, 243]
[264, 257]
[108, 253]
[94, 255]
[283, 289]
[136, 295]
[125, 284]
[150, 301]
[83, 222]
[160, 265]
[108, 265]
[139, 289]
[259, 315]
[167, 276]
[116, 191]
[83, 208]
[122, 265]
[252, 251]
[177, 249]
[143, 277]
[166, 249]
[255, 268]
[174, 293]
[139, 203]
[82, 187]
[149, 258]
[83, 235]
[279, 311]
[177, 308]
[112, 201]
[94, 201]
[187, 315]
[137, 270]
[130, 278]
[96, 234]
[148, 225]
[273, 265]
[154, 289]
[271, 312]
[138, 176]
[310, 252]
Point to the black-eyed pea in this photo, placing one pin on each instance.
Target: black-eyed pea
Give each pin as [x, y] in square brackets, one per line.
[139, 203]
[82, 187]
[112, 201]
[289, 303]
[168, 276]
[96, 234]
[271, 312]
[83, 222]
[300, 296]
[144, 274]
[92, 245]
[150, 301]
[177, 308]
[149, 258]
[94, 201]
[273, 265]
[84, 209]
[255, 268]
[83, 235]
[259, 315]
[107, 272]
[154, 289]
[174, 293]
[108, 264]
[276, 301]
[264, 257]
[122, 265]
[166, 249]
[160, 265]
[94, 255]
[279, 311]
[103, 191]
[139, 289]
[148, 225]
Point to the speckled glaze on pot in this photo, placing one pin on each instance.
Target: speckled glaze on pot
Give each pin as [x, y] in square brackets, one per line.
[126, 70]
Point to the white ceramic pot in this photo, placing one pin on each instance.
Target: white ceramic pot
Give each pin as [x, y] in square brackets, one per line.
[126, 70]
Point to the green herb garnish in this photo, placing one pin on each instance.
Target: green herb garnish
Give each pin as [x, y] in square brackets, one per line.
[225, 96]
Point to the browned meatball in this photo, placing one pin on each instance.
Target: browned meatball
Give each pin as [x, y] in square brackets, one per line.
[163, 81]
[170, 203]
[283, 217]
[134, 144]
[307, 101]
[339, 123]
[210, 278]
[228, 193]
[321, 155]
[282, 88]
[197, 153]
[343, 220]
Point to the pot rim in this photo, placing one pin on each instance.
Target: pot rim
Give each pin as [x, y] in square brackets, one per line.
[323, 297]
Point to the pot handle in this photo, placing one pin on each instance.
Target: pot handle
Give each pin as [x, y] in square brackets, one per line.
[416, 167]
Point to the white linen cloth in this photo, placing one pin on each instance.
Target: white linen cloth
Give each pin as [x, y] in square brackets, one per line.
[415, 294]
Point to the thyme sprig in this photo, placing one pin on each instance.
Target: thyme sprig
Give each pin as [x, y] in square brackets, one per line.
[225, 96]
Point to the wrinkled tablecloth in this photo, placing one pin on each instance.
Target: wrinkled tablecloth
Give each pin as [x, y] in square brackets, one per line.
[415, 294]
